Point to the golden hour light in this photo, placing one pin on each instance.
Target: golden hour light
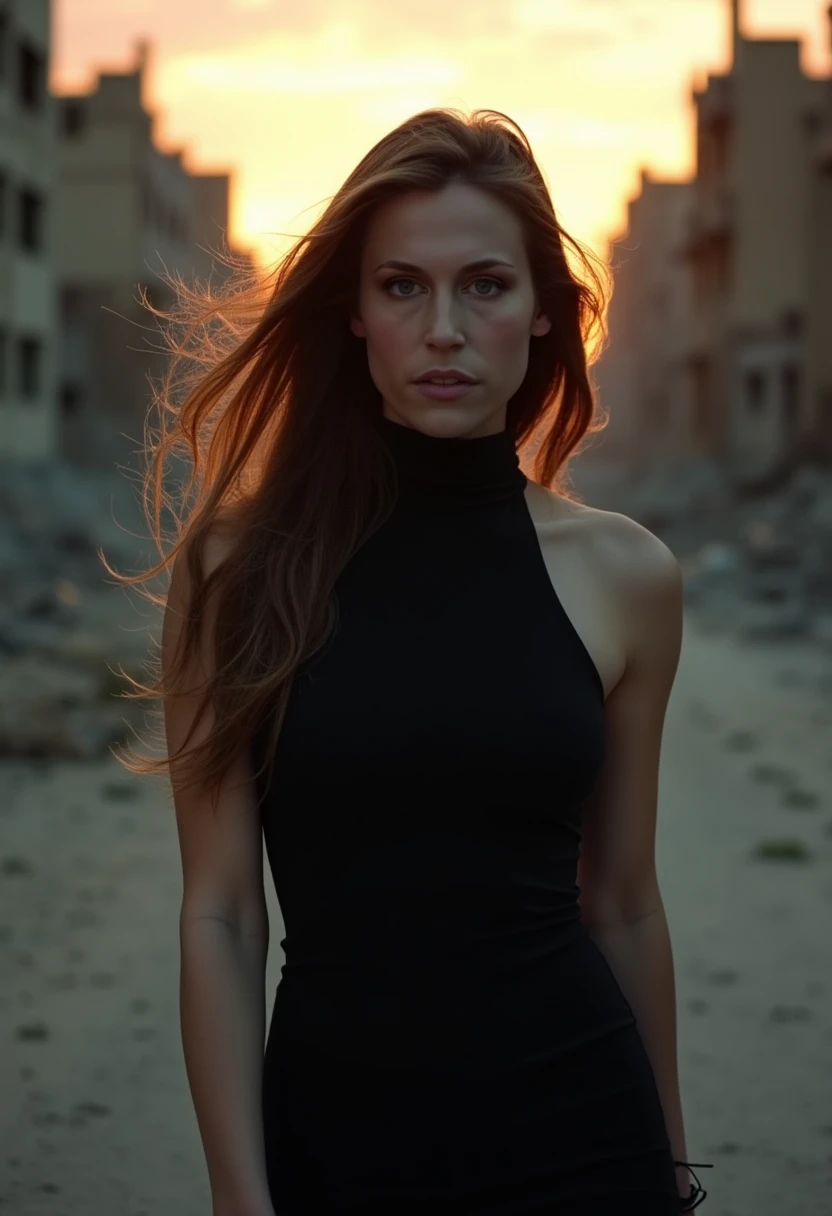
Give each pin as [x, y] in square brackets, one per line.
[288, 96]
[415, 607]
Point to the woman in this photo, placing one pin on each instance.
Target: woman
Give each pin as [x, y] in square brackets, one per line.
[436, 686]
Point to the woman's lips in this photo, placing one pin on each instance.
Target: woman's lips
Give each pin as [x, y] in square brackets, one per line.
[444, 392]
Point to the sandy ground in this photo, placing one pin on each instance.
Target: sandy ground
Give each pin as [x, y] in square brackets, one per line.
[95, 1114]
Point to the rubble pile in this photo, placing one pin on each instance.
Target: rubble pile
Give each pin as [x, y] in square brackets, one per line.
[65, 625]
[760, 566]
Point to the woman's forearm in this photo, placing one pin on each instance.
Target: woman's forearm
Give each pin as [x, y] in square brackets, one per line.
[222, 1009]
[641, 958]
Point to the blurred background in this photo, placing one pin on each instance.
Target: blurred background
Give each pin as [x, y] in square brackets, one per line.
[689, 144]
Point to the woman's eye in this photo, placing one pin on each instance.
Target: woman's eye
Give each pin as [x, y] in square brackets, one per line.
[391, 282]
[491, 283]
[483, 295]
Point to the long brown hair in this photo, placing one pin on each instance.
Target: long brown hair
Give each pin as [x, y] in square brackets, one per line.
[271, 402]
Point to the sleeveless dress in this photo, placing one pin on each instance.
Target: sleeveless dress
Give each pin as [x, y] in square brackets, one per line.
[445, 1036]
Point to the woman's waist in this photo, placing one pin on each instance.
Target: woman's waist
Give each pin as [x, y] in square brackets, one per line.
[405, 941]
[507, 1007]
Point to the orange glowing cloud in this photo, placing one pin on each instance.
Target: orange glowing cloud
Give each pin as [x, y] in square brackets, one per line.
[291, 96]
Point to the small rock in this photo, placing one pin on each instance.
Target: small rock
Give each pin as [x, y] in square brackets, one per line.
[742, 741]
[33, 1032]
[803, 800]
[767, 624]
[781, 850]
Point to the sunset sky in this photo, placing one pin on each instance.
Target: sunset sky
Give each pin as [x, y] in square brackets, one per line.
[289, 94]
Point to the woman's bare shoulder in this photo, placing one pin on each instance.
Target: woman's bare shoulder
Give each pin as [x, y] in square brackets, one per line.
[627, 551]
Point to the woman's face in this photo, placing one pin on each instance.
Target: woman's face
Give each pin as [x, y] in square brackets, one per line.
[438, 314]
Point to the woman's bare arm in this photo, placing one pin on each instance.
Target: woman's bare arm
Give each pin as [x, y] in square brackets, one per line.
[224, 935]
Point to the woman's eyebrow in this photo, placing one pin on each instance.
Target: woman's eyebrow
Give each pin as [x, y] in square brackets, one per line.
[480, 264]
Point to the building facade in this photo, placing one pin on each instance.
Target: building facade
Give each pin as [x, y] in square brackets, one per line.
[640, 376]
[749, 250]
[28, 313]
[750, 383]
[127, 214]
[816, 416]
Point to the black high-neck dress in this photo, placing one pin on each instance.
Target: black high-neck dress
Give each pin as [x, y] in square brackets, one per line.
[445, 1035]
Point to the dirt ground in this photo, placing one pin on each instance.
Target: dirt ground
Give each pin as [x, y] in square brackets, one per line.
[95, 1114]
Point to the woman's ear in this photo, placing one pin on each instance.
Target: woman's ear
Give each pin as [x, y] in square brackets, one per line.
[540, 325]
[357, 327]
